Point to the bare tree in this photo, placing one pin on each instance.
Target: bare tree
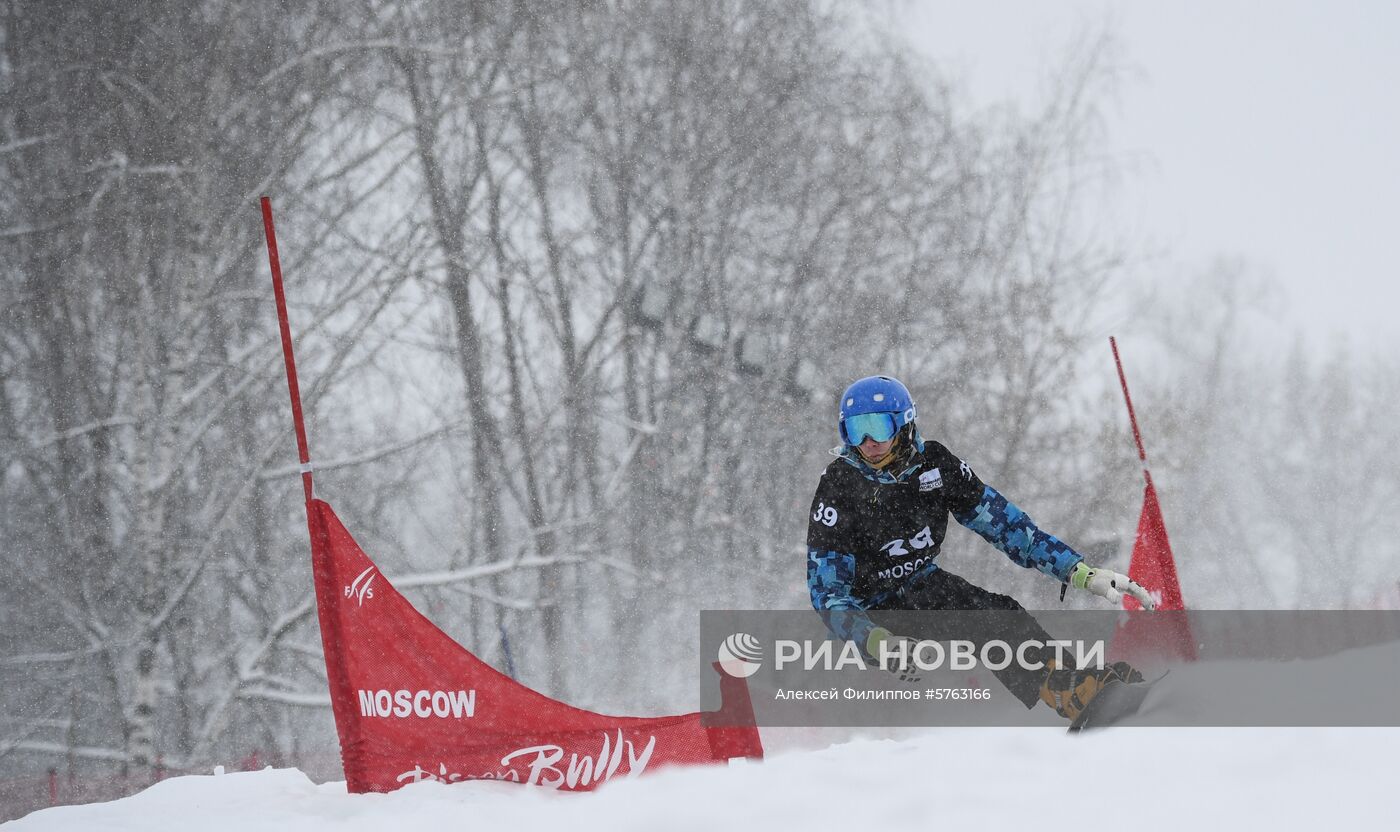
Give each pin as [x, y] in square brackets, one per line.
[140, 361]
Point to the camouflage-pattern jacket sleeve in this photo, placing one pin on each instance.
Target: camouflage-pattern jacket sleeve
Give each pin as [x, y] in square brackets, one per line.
[1011, 530]
[829, 576]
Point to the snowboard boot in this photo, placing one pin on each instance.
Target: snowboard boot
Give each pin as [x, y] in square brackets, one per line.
[1069, 690]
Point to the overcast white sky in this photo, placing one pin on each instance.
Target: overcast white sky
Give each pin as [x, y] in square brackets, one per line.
[1269, 131]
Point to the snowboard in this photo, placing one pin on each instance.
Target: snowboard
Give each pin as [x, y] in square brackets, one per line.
[1115, 703]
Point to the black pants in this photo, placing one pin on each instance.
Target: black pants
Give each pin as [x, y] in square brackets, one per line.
[1006, 620]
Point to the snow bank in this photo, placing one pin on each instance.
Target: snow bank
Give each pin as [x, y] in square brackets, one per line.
[1136, 778]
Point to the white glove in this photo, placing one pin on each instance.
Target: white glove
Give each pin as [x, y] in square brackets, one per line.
[901, 662]
[1109, 584]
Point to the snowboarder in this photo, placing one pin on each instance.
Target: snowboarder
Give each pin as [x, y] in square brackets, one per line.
[879, 518]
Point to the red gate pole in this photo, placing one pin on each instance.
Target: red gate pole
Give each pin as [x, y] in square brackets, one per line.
[1132, 415]
[302, 452]
[321, 555]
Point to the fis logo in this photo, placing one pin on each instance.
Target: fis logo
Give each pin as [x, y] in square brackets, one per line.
[740, 655]
[930, 480]
[965, 469]
[360, 588]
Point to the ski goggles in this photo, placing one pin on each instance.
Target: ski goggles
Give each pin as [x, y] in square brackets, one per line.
[878, 426]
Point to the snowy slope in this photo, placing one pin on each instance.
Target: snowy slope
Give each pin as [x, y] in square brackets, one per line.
[1136, 778]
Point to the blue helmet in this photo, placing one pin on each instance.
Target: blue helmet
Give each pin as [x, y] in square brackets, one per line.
[876, 407]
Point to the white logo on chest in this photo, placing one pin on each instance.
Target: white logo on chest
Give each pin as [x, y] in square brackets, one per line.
[930, 480]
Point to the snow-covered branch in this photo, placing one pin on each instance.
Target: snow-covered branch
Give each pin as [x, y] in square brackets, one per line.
[85, 752]
[73, 433]
[485, 570]
[303, 699]
[366, 457]
[25, 229]
[58, 658]
[20, 144]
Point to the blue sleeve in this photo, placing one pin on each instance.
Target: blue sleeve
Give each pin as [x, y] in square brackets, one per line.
[829, 577]
[1011, 530]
